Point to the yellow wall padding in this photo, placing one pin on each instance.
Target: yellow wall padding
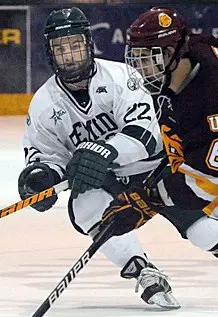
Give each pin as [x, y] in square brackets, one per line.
[14, 104]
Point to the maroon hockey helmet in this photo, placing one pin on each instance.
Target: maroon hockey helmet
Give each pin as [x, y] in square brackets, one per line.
[151, 39]
[157, 27]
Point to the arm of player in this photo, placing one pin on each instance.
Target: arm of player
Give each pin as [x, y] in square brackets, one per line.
[45, 155]
[140, 136]
[138, 140]
[44, 140]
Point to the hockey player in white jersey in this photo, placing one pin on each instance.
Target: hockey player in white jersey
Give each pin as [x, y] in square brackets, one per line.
[86, 125]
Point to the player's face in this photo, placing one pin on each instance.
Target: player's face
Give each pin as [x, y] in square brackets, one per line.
[150, 63]
[69, 52]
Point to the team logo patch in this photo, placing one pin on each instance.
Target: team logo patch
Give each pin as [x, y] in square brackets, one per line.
[132, 84]
[101, 89]
[164, 20]
[57, 115]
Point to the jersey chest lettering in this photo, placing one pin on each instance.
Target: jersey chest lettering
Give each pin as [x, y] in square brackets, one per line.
[92, 130]
[213, 122]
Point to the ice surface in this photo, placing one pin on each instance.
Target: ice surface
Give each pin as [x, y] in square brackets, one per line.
[38, 249]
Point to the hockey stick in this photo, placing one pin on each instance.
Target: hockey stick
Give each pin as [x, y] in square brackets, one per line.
[56, 189]
[100, 239]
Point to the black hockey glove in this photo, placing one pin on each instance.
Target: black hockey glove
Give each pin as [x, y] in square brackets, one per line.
[88, 167]
[130, 210]
[34, 179]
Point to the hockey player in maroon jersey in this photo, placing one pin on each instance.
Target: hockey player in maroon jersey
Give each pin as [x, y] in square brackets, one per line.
[180, 70]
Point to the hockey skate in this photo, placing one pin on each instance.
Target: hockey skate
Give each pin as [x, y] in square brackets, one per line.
[154, 283]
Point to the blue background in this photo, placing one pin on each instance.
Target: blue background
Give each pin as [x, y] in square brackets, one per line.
[109, 24]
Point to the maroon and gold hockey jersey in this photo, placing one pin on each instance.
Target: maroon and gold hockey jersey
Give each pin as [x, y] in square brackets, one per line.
[189, 127]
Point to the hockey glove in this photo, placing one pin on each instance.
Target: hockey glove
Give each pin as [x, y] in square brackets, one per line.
[129, 210]
[35, 178]
[88, 167]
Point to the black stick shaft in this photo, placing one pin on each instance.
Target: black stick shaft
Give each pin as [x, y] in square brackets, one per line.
[156, 173]
[101, 238]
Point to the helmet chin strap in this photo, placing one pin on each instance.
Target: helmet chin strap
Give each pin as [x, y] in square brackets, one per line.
[77, 86]
[87, 76]
[153, 87]
[174, 56]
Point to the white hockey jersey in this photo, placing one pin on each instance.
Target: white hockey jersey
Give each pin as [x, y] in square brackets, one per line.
[57, 122]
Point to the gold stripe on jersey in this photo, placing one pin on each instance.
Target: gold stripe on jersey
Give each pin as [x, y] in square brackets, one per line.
[173, 146]
[206, 185]
[210, 209]
[202, 181]
[215, 50]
